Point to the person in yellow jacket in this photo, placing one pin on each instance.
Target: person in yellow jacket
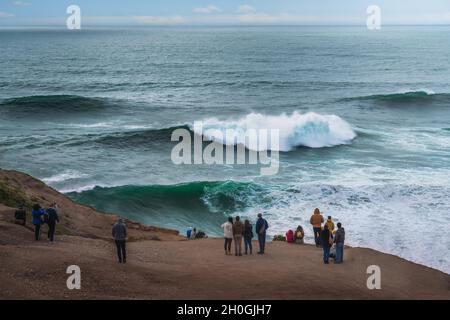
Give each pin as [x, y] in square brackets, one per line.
[330, 225]
[316, 221]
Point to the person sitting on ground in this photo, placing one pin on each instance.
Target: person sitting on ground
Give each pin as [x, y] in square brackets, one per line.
[248, 236]
[326, 241]
[52, 219]
[238, 233]
[316, 220]
[299, 235]
[330, 225]
[200, 235]
[339, 239]
[228, 235]
[21, 216]
[37, 213]
[290, 236]
[119, 233]
[261, 228]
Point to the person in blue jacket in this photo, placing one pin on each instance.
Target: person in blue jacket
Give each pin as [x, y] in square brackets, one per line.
[261, 228]
[37, 214]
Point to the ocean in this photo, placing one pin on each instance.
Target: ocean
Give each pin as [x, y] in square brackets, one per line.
[365, 120]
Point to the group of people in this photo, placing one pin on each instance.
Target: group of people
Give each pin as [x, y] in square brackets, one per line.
[39, 216]
[325, 236]
[236, 230]
[192, 233]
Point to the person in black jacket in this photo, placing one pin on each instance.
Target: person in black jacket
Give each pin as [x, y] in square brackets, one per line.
[248, 236]
[325, 237]
[261, 228]
[52, 219]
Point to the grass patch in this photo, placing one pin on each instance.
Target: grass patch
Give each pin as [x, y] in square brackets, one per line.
[12, 196]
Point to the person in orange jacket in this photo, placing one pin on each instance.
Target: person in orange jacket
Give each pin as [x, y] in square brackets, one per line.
[316, 220]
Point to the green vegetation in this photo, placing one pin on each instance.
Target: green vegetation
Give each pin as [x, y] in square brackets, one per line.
[12, 196]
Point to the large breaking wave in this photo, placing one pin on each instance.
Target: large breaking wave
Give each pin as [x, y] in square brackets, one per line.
[309, 130]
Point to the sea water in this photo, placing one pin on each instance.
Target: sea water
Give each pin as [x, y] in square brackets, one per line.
[364, 121]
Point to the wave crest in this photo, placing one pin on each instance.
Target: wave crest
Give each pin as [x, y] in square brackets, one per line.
[309, 130]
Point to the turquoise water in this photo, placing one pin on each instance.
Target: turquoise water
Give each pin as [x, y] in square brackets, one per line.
[91, 113]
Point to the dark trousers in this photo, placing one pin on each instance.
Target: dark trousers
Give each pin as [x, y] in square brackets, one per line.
[121, 251]
[37, 231]
[51, 231]
[227, 244]
[262, 242]
[248, 245]
[317, 235]
[326, 253]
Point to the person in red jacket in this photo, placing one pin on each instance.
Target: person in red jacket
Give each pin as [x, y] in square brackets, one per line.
[290, 236]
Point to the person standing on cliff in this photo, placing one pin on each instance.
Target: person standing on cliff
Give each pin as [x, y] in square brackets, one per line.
[119, 233]
[228, 235]
[238, 232]
[261, 228]
[339, 239]
[316, 220]
[51, 221]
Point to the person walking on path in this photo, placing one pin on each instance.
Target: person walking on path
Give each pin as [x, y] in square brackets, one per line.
[119, 233]
[261, 228]
[228, 235]
[316, 220]
[37, 214]
[238, 232]
[52, 219]
[339, 239]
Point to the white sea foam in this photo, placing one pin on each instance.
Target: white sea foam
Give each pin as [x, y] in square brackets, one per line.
[427, 91]
[64, 176]
[310, 130]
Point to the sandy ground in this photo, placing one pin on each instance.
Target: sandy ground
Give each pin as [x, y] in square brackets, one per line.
[169, 267]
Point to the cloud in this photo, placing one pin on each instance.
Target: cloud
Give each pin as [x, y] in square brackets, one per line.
[21, 3]
[159, 20]
[245, 8]
[5, 15]
[207, 10]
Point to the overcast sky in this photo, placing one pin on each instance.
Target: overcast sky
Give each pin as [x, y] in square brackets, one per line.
[220, 12]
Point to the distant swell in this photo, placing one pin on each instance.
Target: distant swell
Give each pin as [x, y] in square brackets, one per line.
[51, 104]
[404, 97]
